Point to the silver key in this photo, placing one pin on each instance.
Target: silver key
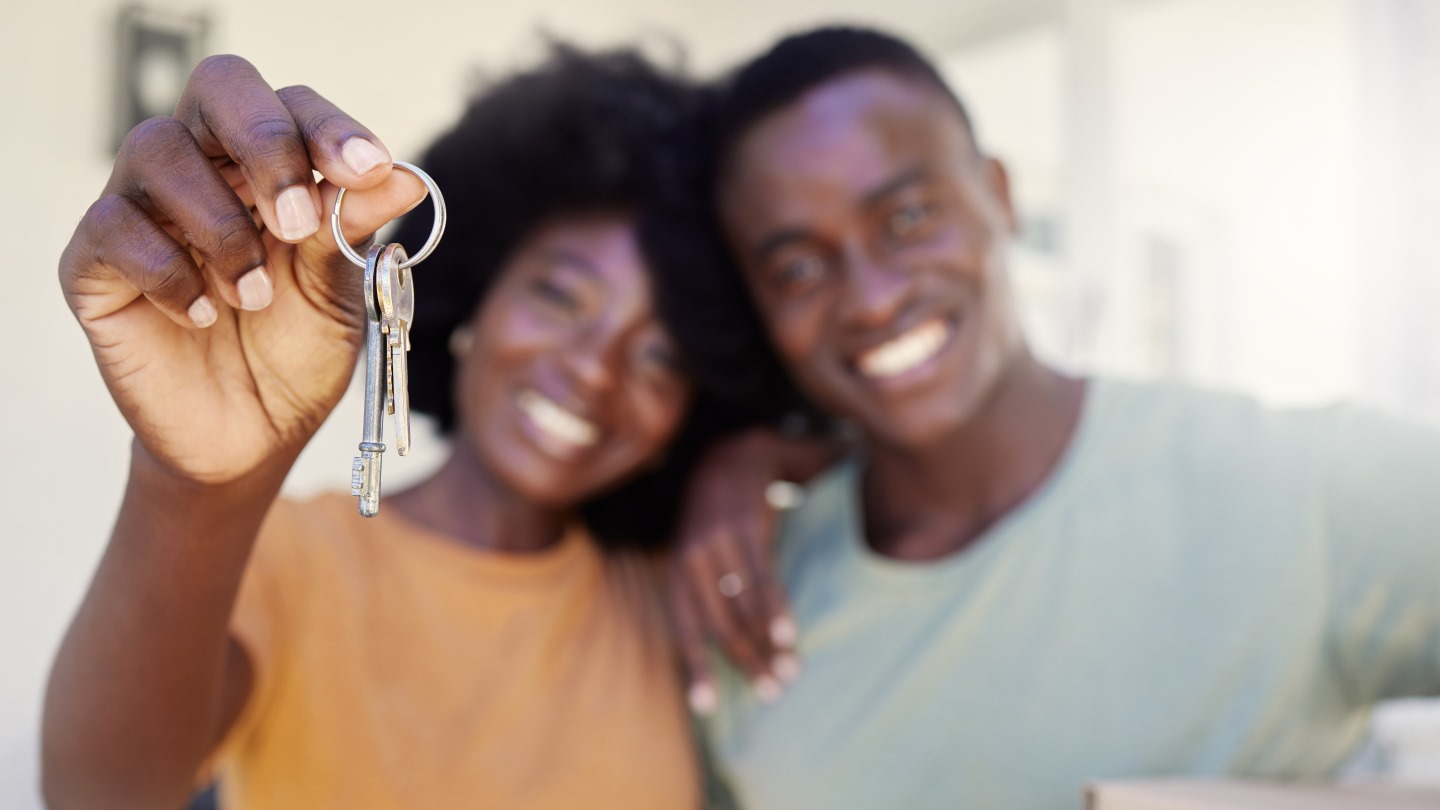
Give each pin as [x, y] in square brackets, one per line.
[395, 294]
[365, 471]
[389, 311]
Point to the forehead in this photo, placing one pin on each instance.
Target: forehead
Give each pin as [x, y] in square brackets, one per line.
[608, 242]
[848, 134]
[601, 249]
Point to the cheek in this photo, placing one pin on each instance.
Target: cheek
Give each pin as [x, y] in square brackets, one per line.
[657, 412]
[797, 327]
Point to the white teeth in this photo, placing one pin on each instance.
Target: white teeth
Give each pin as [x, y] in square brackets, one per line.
[905, 352]
[557, 421]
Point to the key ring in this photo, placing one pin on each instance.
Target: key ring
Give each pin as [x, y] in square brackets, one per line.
[436, 230]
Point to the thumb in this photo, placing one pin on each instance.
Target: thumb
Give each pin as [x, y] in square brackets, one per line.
[366, 211]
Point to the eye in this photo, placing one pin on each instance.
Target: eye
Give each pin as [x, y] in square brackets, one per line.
[800, 271]
[909, 219]
[658, 355]
[555, 295]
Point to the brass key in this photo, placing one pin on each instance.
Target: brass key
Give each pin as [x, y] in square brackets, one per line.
[395, 293]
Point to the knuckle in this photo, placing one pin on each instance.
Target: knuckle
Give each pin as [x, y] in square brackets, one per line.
[169, 274]
[156, 139]
[105, 211]
[297, 96]
[692, 557]
[324, 121]
[115, 221]
[220, 66]
[296, 91]
[752, 610]
[753, 524]
[273, 138]
[741, 653]
[723, 624]
[726, 531]
[234, 236]
[692, 641]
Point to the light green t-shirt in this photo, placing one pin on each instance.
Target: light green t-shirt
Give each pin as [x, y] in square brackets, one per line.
[1202, 587]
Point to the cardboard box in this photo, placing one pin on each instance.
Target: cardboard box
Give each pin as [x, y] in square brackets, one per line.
[1184, 794]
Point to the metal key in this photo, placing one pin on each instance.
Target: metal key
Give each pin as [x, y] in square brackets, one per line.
[395, 294]
[365, 471]
[389, 312]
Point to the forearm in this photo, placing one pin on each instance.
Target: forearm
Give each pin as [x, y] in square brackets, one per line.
[138, 694]
[790, 458]
[801, 459]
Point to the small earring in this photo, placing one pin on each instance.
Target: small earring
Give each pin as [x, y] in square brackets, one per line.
[460, 342]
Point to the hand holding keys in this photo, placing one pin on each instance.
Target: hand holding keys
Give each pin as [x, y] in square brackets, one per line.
[389, 309]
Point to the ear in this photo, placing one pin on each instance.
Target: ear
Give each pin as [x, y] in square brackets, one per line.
[461, 340]
[997, 179]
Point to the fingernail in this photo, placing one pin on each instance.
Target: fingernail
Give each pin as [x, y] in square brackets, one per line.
[202, 312]
[767, 688]
[256, 289]
[782, 631]
[703, 699]
[295, 212]
[787, 667]
[361, 155]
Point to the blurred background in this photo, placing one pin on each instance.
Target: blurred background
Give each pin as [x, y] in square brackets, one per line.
[1233, 192]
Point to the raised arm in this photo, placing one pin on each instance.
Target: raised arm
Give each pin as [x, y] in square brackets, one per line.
[225, 324]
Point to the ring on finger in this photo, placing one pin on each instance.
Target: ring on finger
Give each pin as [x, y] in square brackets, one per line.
[732, 584]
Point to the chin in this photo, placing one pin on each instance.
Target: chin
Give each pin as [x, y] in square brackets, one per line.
[913, 434]
[921, 425]
[531, 475]
[553, 492]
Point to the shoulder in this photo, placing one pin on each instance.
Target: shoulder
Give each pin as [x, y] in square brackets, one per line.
[322, 512]
[1197, 425]
[301, 537]
[827, 512]
[1381, 468]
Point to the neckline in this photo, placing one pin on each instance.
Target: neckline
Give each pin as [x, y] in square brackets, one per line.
[910, 573]
[393, 530]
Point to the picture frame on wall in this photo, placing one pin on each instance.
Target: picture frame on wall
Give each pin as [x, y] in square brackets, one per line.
[155, 52]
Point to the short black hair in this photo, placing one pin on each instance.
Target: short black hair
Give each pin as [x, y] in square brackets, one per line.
[583, 133]
[803, 61]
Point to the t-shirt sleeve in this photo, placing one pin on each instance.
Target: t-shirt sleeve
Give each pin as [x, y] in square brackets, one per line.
[266, 615]
[1381, 499]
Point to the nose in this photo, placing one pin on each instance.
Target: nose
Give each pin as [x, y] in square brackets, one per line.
[591, 360]
[874, 293]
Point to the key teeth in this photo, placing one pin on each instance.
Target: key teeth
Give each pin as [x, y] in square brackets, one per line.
[365, 477]
[357, 476]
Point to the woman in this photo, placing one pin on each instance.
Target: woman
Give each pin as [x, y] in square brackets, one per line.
[472, 644]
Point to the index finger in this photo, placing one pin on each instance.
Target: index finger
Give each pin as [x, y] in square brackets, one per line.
[232, 113]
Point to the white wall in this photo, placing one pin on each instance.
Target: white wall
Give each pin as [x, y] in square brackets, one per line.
[1285, 144]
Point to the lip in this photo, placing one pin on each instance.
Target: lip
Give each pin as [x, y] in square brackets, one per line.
[547, 439]
[915, 375]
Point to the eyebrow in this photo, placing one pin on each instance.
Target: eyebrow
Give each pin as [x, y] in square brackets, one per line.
[779, 240]
[911, 176]
[569, 258]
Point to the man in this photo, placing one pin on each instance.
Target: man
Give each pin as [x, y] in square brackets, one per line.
[1026, 580]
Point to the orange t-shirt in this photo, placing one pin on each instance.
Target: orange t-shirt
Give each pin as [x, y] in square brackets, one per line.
[398, 668]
